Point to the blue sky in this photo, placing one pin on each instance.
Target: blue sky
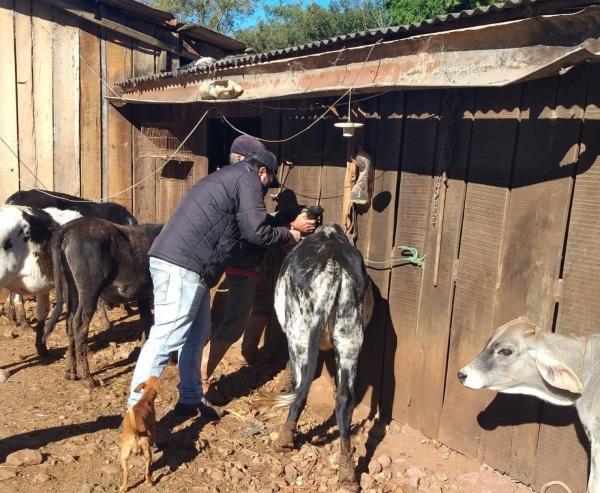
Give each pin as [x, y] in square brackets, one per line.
[259, 13]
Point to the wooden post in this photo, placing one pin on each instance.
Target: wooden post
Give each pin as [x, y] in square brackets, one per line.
[9, 163]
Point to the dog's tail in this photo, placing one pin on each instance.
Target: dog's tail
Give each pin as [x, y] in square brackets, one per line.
[129, 422]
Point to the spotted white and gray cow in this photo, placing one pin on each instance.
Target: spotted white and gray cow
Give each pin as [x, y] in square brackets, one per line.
[323, 300]
[26, 258]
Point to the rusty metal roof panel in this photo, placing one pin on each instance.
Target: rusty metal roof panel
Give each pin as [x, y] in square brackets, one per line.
[500, 12]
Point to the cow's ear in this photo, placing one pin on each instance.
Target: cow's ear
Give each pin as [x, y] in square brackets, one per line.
[555, 372]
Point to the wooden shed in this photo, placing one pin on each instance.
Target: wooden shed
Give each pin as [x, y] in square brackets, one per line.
[59, 59]
[484, 127]
[484, 130]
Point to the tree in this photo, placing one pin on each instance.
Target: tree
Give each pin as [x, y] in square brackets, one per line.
[218, 15]
[291, 24]
[402, 12]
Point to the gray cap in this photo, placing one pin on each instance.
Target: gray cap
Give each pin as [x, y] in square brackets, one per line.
[245, 144]
[268, 159]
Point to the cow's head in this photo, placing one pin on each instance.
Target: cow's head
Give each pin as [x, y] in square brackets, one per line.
[516, 360]
[14, 235]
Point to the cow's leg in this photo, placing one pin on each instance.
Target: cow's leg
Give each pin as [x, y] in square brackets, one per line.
[72, 301]
[81, 325]
[304, 350]
[347, 337]
[146, 318]
[20, 315]
[71, 373]
[42, 307]
[344, 406]
[594, 480]
[9, 307]
[15, 309]
[104, 321]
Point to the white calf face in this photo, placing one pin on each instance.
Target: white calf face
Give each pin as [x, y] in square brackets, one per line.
[515, 361]
[499, 366]
[13, 242]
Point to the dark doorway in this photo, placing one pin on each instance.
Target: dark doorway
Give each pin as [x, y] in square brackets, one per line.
[221, 135]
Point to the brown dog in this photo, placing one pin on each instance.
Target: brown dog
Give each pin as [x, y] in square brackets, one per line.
[139, 429]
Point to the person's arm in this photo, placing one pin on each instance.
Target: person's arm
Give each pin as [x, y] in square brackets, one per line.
[253, 223]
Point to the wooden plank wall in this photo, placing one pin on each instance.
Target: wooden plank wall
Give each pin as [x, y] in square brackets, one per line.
[9, 170]
[518, 212]
[60, 133]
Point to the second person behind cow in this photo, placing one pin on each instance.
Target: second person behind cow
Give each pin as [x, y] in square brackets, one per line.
[243, 274]
[215, 221]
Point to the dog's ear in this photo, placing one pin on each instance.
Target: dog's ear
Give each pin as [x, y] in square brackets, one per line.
[140, 387]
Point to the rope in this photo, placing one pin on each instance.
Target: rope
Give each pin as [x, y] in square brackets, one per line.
[414, 258]
[549, 484]
[319, 118]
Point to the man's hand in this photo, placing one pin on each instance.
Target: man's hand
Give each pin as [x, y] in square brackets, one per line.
[295, 235]
[304, 225]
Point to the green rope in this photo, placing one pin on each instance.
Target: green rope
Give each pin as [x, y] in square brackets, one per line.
[414, 258]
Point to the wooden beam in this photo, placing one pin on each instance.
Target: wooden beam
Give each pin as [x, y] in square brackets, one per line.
[119, 28]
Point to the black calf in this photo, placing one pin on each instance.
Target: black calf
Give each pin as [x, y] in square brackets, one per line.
[93, 259]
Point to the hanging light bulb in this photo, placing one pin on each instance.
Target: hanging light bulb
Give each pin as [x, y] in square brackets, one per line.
[348, 126]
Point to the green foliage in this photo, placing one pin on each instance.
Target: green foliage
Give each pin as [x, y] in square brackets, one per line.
[290, 24]
[407, 11]
[218, 15]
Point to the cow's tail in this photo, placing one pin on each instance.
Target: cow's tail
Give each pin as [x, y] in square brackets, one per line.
[328, 282]
[60, 284]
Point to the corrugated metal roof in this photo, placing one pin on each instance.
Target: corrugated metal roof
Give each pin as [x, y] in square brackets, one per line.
[501, 12]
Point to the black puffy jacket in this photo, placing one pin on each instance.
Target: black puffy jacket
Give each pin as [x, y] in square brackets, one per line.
[217, 220]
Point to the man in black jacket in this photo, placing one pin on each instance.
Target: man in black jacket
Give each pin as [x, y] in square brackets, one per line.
[217, 220]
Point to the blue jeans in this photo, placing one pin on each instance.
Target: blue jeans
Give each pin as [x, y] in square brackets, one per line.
[181, 323]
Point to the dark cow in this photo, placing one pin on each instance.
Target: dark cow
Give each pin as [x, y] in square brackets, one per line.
[94, 258]
[323, 300]
[41, 199]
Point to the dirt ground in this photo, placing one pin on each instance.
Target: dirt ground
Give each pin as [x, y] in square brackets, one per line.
[76, 431]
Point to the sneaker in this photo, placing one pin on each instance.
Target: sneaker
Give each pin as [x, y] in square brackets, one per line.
[209, 411]
[204, 408]
[185, 410]
[214, 397]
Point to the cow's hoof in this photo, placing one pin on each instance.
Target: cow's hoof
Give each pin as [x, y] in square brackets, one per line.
[42, 350]
[71, 375]
[284, 442]
[92, 383]
[347, 480]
